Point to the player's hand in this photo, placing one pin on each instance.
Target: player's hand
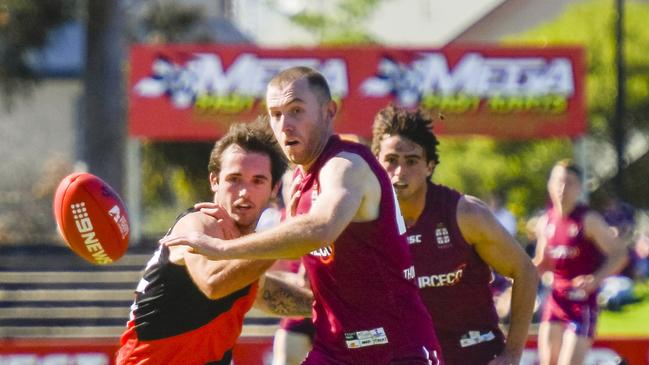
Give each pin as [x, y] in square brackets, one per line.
[225, 222]
[587, 283]
[212, 209]
[505, 359]
[197, 243]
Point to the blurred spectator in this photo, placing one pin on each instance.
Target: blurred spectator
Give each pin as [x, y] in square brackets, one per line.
[617, 290]
[641, 253]
[620, 216]
[495, 201]
[530, 232]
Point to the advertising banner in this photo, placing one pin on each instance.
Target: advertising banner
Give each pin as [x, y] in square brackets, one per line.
[259, 351]
[189, 92]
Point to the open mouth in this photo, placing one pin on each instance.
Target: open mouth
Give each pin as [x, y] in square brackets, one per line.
[400, 185]
[242, 206]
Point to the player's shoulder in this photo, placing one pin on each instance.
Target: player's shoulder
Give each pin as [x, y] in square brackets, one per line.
[591, 219]
[347, 162]
[472, 207]
[196, 222]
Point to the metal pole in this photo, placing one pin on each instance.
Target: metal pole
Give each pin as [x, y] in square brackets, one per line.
[618, 122]
[134, 189]
[579, 151]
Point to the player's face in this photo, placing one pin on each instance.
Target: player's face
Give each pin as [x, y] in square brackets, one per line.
[244, 185]
[564, 186]
[405, 162]
[300, 121]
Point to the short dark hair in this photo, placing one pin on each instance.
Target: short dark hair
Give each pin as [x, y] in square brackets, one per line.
[252, 137]
[571, 166]
[415, 125]
[317, 83]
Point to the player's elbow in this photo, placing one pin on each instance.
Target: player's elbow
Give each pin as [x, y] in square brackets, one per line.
[320, 231]
[215, 292]
[527, 273]
[621, 255]
[216, 287]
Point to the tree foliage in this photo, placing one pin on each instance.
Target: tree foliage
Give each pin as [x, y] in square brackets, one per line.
[174, 174]
[23, 27]
[481, 166]
[520, 168]
[591, 25]
[345, 25]
[474, 165]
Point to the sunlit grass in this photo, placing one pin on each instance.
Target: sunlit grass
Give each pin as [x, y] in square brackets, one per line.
[631, 321]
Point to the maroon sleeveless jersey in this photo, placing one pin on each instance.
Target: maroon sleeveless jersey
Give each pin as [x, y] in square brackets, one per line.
[452, 278]
[367, 308]
[569, 251]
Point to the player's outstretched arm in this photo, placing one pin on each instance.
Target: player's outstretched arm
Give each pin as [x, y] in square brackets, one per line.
[344, 181]
[540, 260]
[502, 252]
[612, 246]
[216, 279]
[281, 297]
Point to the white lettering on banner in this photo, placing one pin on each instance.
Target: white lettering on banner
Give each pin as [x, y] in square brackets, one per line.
[248, 75]
[474, 75]
[55, 359]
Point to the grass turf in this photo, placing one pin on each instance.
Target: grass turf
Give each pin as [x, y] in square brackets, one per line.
[631, 321]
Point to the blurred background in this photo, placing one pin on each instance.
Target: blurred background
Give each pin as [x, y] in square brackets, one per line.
[66, 91]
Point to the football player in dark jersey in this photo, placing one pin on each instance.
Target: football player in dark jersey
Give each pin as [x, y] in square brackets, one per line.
[455, 241]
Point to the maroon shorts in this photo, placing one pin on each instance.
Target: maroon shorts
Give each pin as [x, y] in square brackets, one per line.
[422, 357]
[579, 316]
[471, 347]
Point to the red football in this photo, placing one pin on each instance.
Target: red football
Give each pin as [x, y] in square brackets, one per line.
[91, 218]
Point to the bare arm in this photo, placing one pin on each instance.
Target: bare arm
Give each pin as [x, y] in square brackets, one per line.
[215, 279]
[344, 182]
[281, 297]
[613, 248]
[500, 250]
[540, 260]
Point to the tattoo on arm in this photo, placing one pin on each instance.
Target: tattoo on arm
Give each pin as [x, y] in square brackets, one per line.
[286, 299]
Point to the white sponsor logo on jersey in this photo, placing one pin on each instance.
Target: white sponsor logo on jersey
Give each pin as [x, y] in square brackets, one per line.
[564, 252]
[415, 238]
[409, 273]
[550, 229]
[573, 230]
[445, 279]
[475, 337]
[358, 339]
[441, 235]
[322, 252]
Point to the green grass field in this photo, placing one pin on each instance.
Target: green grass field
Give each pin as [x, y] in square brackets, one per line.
[631, 321]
